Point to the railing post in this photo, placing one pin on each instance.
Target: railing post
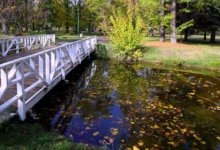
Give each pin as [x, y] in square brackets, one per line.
[3, 47]
[47, 68]
[17, 46]
[21, 92]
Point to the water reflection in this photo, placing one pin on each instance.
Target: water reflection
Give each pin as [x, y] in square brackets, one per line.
[133, 106]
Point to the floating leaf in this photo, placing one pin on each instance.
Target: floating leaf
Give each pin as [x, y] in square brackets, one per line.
[142, 131]
[194, 143]
[172, 143]
[167, 134]
[111, 140]
[203, 142]
[95, 133]
[155, 126]
[195, 136]
[218, 137]
[135, 148]
[114, 132]
[106, 137]
[176, 131]
[183, 130]
[88, 128]
[140, 143]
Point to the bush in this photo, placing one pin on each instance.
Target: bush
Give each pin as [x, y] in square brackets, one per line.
[126, 31]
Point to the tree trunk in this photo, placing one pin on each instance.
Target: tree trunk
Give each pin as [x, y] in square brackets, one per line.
[162, 27]
[185, 35]
[173, 22]
[4, 26]
[205, 36]
[33, 26]
[213, 33]
[67, 26]
[26, 16]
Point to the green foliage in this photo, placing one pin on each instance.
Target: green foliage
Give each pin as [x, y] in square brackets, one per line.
[185, 25]
[126, 31]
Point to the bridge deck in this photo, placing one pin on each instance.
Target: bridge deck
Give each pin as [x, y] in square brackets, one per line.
[27, 77]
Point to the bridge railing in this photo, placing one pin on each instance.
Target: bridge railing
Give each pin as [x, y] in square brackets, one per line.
[26, 80]
[16, 44]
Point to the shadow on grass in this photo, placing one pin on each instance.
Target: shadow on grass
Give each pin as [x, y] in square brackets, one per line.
[22, 135]
[17, 135]
[192, 40]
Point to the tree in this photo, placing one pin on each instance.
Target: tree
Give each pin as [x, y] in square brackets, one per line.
[4, 11]
[173, 22]
[162, 26]
[125, 28]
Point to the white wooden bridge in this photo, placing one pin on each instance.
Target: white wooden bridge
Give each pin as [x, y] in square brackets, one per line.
[26, 80]
[25, 43]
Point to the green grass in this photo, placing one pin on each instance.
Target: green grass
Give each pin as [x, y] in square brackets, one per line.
[15, 135]
[194, 54]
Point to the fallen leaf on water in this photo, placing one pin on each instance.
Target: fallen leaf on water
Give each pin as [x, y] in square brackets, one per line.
[172, 143]
[218, 137]
[111, 140]
[167, 134]
[95, 133]
[192, 132]
[194, 143]
[106, 137]
[203, 142]
[135, 148]
[195, 136]
[155, 126]
[142, 131]
[88, 128]
[140, 143]
[183, 130]
[114, 132]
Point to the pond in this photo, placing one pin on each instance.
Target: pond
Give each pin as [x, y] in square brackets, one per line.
[134, 106]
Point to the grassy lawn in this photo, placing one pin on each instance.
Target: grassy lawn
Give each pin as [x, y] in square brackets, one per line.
[15, 135]
[193, 53]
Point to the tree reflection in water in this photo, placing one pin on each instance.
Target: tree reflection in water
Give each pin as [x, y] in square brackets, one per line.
[134, 106]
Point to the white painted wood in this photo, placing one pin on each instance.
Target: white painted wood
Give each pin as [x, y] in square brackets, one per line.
[25, 42]
[42, 70]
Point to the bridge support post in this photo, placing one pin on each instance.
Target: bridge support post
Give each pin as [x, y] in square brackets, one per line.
[21, 92]
[21, 110]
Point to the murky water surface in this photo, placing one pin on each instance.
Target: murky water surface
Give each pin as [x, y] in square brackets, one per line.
[122, 106]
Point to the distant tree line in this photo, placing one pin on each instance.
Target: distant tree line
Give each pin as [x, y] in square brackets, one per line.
[167, 16]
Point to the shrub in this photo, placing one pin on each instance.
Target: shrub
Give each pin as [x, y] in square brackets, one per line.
[126, 29]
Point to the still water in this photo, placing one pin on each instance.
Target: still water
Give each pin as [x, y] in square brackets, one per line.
[134, 106]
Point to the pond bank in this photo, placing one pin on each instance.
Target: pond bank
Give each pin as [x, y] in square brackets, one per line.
[199, 56]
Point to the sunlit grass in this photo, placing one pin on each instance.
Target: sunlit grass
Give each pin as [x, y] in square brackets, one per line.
[195, 54]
